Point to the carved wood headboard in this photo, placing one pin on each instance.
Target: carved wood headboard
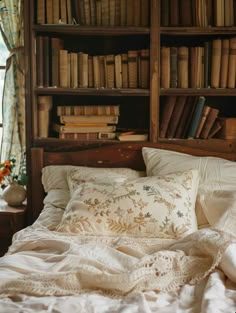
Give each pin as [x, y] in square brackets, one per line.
[111, 155]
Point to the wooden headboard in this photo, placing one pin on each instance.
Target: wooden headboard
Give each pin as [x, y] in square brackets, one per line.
[111, 155]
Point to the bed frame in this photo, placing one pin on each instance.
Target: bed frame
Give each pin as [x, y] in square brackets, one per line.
[111, 155]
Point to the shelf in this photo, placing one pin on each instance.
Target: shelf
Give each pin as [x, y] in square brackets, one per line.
[198, 92]
[92, 91]
[198, 30]
[90, 30]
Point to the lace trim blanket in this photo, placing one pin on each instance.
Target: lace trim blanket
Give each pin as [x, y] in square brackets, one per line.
[117, 266]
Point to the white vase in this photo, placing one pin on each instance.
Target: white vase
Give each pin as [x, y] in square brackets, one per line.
[14, 194]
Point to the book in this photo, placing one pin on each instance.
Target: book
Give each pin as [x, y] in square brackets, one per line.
[46, 61]
[185, 117]
[215, 62]
[107, 135]
[39, 61]
[209, 123]
[69, 11]
[117, 12]
[165, 67]
[137, 12]
[196, 117]
[174, 12]
[192, 102]
[63, 68]
[182, 64]
[144, 68]
[118, 71]
[173, 67]
[96, 71]
[83, 69]
[44, 108]
[112, 8]
[175, 116]
[90, 72]
[124, 65]
[232, 63]
[145, 16]
[215, 129]
[110, 70]
[130, 12]
[229, 12]
[228, 128]
[83, 129]
[123, 12]
[92, 12]
[49, 12]
[74, 81]
[78, 136]
[224, 63]
[219, 13]
[109, 119]
[166, 114]
[133, 68]
[88, 110]
[56, 46]
[105, 12]
[87, 12]
[63, 12]
[56, 12]
[132, 137]
[207, 64]
[185, 13]
[164, 13]
[205, 112]
[41, 12]
[98, 11]
[102, 71]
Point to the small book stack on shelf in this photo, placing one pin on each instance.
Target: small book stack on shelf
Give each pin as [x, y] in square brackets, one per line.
[188, 117]
[87, 122]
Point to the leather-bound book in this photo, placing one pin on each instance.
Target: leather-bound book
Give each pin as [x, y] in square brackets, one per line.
[92, 12]
[224, 63]
[44, 108]
[130, 12]
[74, 70]
[41, 10]
[98, 9]
[174, 12]
[96, 71]
[219, 13]
[165, 13]
[196, 117]
[63, 11]
[232, 63]
[144, 68]
[87, 12]
[137, 12]
[49, 12]
[185, 12]
[175, 117]
[105, 12]
[205, 113]
[123, 13]
[183, 67]
[88, 110]
[117, 12]
[39, 61]
[124, 64]
[173, 67]
[56, 12]
[215, 62]
[46, 61]
[229, 12]
[165, 67]
[83, 69]
[185, 117]
[90, 72]
[69, 11]
[215, 129]
[145, 13]
[63, 68]
[102, 70]
[167, 111]
[118, 71]
[211, 118]
[133, 68]
[110, 70]
[112, 8]
[56, 46]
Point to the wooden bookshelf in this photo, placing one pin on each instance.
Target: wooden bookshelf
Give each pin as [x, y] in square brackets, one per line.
[140, 108]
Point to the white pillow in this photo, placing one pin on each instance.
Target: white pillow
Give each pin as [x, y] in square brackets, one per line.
[160, 206]
[215, 173]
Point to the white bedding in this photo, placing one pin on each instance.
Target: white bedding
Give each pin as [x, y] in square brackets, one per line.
[39, 256]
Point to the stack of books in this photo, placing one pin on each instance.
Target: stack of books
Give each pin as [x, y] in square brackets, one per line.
[90, 122]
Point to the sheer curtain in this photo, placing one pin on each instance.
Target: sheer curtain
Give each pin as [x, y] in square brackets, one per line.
[11, 23]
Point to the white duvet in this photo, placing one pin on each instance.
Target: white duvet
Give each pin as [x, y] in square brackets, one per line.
[46, 271]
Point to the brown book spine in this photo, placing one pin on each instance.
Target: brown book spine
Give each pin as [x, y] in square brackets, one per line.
[215, 129]
[110, 70]
[102, 70]
[46, 62]
[224, 63]
[175, 117]
[63, 11]
[87, 12]
[219, 13]
[137, 12]
[165, 13]
[185, 12]
[133, 68]
[183, 67]
[69, 70]
[63, 68]
[174, 12]
[98, 12]
[209, 123]
[44, 108]
[173, 67]
[49, 12]
[215, 63]
[145, 13]
[166, 115]
[232, 63]
[130, 12]
[118, 71]
[205, 113]
[56, 12]
[112, 8]
[74, 70]
[209, 5]
[78, 136]
[96, 71]
[144, 68]
[83, 69]
[92, 12]
[124, 64]
[69, 11]
[165, 67]
[88, 110]
[90, 72]
[41, 18]
[185, 117]
[39, 60]
[192, 103]
[117, 12]
[56, 46]
[193, 68]
[123, 13]
[105, 12]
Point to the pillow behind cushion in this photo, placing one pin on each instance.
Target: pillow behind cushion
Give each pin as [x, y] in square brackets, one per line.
[160, 206]
[214, 173]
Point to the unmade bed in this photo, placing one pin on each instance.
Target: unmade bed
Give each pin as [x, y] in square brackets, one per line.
[125, 228]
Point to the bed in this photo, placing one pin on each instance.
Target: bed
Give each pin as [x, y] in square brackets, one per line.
[125, 228]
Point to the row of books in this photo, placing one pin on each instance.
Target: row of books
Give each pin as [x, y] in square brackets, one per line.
[188, 117]
[200, 13]
[59, 67]
[94, 12]
[212, 65]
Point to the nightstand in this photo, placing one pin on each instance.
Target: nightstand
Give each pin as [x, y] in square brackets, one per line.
[12, 219]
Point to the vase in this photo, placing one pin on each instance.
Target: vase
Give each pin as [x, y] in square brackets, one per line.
[14, 194]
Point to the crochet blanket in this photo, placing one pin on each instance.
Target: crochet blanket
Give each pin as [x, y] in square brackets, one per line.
[43, 262]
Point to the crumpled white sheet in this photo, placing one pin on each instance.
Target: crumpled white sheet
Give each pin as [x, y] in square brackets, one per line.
[215, 294]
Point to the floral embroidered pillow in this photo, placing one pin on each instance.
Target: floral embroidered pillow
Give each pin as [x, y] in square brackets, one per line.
[160, 206]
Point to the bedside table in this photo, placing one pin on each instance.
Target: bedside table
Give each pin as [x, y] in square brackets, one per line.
[12, 219]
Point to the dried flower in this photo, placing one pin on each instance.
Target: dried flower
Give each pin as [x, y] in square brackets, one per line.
[8, 175]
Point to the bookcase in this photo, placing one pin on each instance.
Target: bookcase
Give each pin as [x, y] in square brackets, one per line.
[175, 53]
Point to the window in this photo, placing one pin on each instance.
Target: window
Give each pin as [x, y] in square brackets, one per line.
[4, 53]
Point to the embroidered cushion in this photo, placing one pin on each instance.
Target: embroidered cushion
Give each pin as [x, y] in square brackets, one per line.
[160, 206]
